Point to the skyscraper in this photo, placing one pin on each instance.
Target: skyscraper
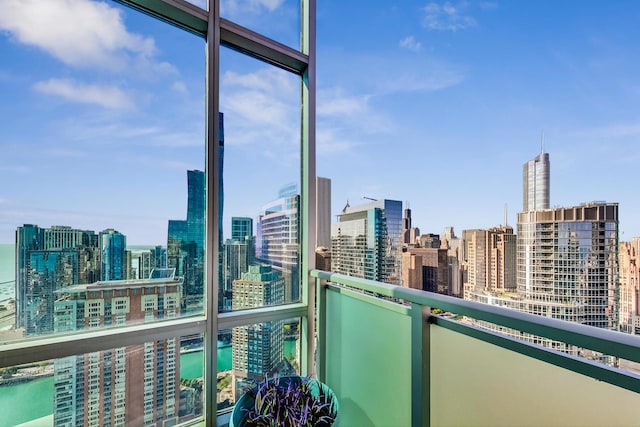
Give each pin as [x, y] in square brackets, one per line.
[132, 385]
[238, 254]
[185, 240]
[48, 259]
[568, 262]
[113, 245]
[278, 240]
[366, 241]
[29, 237]
[536, 182]
[257, 349]
[629, 259]
[241, 228]
[490, 257]
[426, 269]
[409, 233]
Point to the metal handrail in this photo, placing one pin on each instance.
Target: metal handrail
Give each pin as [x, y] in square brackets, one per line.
[606, 341]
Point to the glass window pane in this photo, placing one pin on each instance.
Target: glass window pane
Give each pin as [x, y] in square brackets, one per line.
[204, 4]
[261, 213]
[103, 141]
[248, 354]
[158, 381]
[278, 20]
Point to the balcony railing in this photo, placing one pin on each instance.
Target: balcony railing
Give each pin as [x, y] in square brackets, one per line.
[393, 363]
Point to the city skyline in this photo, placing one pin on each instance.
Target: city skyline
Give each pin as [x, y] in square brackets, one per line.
[474, 85]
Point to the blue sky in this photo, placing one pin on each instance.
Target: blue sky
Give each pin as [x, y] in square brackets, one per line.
[437, 104]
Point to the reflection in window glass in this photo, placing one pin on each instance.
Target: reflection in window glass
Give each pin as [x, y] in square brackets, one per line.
[204, 4]
[248, 354]
[278, 20]
[103, 141]
[158, 381]
[261, 214]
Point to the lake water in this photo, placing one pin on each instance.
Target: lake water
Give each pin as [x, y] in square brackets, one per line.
[24, 402]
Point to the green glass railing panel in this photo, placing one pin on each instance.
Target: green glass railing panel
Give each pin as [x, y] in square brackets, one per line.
[368, 360]
[474, 383]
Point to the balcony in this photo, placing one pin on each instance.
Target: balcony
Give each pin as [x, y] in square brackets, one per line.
[390, 363]
[396, 364]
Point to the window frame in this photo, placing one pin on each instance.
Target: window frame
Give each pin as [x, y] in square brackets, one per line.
[217, 32]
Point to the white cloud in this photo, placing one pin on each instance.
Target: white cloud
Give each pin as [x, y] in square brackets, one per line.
[344, 119]
[80, 33]
[267, 80]
[334, 104]
[232, 7]
[180, 87]
[328, 142]
[488, 5]
[446, 17]
[418, 80]
[105, 96]
[410, 43]
[265, 99]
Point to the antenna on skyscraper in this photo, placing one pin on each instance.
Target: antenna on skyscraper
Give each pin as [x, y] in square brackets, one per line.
[542, 142]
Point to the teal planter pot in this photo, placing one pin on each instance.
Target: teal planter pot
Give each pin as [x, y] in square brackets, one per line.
[286, 402]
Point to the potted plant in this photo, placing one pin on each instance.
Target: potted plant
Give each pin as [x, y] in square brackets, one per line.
[286, 402]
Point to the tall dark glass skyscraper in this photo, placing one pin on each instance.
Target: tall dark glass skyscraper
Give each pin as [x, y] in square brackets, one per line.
[241, 228]
[48, 259]
[113, 245]
[185, 238]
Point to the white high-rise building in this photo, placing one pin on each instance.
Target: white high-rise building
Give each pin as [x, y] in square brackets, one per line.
[536, 182]
[278, 240]
[567, 262]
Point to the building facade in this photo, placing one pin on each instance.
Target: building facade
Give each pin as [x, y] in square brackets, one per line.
[241, 228]
[185, 241]
[132, 385]
[629, 292]
[48, 259]
[455, 267]
[278, 239]
[426, 269]
[490, 259]
[568, 263]
[238, 253]
[323, 217]
[536, 183]
[257, 349]
[113, 261]
[366, 241]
